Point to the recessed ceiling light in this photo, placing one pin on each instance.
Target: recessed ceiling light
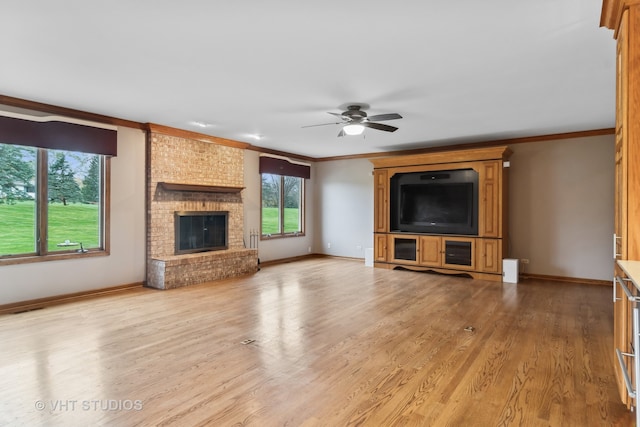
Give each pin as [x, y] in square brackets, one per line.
[201, 124]
[255, 136]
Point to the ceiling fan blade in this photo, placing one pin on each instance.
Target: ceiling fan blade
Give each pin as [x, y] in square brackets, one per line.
[322, 124]
[335, 114]
[379, 126]
[383, 117]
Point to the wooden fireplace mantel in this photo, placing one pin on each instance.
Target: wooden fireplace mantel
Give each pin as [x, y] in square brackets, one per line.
[173, 186]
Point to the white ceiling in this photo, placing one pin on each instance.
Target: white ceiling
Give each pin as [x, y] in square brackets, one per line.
[457, 70]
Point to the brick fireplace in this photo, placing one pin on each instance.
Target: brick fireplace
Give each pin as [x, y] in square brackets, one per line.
[194, 175]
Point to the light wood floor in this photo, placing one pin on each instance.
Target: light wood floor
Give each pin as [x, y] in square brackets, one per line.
[336, 344]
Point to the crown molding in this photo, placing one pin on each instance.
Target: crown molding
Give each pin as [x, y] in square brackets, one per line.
[67, 112]
[611, 15]
[471, 145]
[166, 130]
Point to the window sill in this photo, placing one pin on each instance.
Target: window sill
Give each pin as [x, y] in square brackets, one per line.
[52, 257]
[280, 236]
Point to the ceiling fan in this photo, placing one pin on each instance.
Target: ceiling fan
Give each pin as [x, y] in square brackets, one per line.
[355, 119]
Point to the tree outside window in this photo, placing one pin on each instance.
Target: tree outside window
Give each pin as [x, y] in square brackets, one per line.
[50, 201]
[282, 205]
[18, 166]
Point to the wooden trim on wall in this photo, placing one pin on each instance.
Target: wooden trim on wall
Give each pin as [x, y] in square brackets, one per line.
[151, 127]
[611, 14]
[40, 303]
[264, 150]
[69, 112]
[464, 146]
[292, 259]
[523, 276]
[576, 280]
[36, 304]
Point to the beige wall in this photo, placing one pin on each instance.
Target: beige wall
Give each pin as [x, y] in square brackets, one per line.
[560, 202]
[561, 206]
[345, 205]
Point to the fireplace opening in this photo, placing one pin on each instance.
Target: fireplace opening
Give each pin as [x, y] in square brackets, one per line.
[201, 231]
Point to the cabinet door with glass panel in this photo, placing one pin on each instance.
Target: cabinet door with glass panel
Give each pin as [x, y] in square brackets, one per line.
[434, 251]
[404, 248]
[458, 253]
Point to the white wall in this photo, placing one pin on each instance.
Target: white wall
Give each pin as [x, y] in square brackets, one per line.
[275, 249]
[125, 265]
[344, 198]
[561, 206]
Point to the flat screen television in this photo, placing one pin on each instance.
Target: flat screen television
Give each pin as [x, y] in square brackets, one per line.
[441, 202]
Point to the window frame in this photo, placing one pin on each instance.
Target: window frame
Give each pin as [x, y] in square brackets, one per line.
[281, 201]
[41, 253]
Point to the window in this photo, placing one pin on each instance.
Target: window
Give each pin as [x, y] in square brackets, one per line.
[51, 201]
[282, 205]
[54, 182]
[282, 196]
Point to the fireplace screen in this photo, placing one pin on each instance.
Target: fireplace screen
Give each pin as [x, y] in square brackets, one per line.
[200, 231]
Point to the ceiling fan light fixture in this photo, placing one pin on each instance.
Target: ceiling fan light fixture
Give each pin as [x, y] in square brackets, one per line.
[355, 129]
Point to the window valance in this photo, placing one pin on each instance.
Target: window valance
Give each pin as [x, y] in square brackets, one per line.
[283, 166]
[50, 133]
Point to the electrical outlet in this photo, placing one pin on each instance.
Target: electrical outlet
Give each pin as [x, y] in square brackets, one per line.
[329, 245]
[524, 261]
[359, 247]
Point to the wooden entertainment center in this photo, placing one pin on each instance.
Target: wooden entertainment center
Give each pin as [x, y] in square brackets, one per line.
[478, 255]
